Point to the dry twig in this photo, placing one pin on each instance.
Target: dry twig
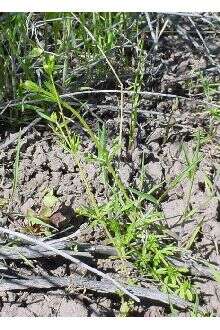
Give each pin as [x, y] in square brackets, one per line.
[36, 282]
[69, 257]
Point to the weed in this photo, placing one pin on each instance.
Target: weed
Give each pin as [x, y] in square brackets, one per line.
[136, 87]
[15, 172]
[126, 307]
[128, 228]
[40, 223]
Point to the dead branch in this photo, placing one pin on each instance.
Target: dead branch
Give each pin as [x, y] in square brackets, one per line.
[36, 282]
[88, 251]
[69, 257]
[35, 251]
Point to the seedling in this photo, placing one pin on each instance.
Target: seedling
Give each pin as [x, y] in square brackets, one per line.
[39, 222]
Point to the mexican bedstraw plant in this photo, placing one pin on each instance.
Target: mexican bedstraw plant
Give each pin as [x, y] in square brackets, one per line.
[133, 228]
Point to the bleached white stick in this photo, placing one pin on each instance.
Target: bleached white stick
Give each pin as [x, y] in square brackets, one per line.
[67, 256]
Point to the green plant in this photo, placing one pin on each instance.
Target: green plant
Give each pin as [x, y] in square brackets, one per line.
[39, 222]
[126, 307]
[209, 88]
[127, 225]
[16, 171]
[136, 87]
[215, 113]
